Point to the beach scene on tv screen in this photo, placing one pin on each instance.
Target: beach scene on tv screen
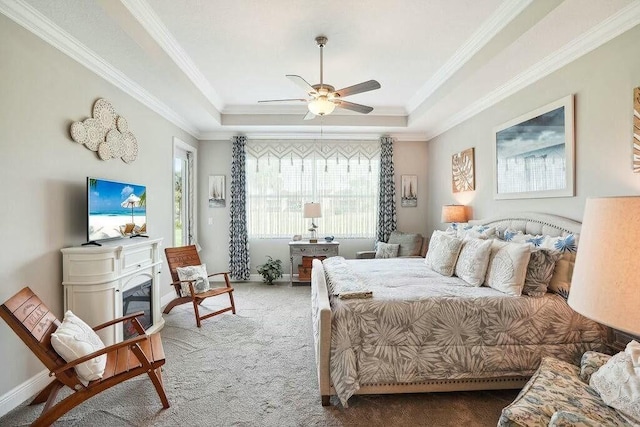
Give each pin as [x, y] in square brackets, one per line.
[116, 209]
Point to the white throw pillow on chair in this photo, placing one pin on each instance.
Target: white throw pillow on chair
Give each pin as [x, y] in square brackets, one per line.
[74, 339]
[197, 273]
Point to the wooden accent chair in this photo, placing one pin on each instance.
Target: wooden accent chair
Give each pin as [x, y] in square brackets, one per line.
[186, 256]
[32, 321]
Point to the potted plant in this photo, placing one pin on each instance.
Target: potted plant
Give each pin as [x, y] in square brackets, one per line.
[270, 270]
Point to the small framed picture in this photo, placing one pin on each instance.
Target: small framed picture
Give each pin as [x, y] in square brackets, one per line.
[409, 197]
[217, 191]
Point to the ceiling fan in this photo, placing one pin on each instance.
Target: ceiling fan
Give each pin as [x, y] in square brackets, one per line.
[323, 97]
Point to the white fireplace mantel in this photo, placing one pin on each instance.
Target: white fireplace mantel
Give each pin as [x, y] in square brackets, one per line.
[95, 277]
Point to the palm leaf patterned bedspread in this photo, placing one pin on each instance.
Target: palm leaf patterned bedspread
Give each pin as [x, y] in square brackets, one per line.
[422, 326]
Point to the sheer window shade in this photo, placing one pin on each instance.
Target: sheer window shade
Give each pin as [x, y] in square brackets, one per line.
[341, 176]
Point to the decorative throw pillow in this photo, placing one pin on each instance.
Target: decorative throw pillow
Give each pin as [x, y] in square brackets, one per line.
[197, 273]
[477, 231]
[387, 250]
[74, 339]
[590, 362]
[508, 266]
[539, 271]
[618, 382]
[516, 236]
[561, 279]
[443, 253]
[473, 260]
[410, 243]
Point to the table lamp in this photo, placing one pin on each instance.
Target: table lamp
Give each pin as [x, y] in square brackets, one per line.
[312, 210]
[454, 213]
[606, 286]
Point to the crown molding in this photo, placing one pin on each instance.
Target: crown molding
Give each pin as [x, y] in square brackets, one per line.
[496, 22]
[226, 136]
[32, 20]
[145, 15]
[615, 25]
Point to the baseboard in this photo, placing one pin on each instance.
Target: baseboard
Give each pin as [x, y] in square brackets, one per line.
[24, 391]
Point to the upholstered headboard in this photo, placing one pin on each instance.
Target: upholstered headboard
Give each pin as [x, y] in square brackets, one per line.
[533, 223]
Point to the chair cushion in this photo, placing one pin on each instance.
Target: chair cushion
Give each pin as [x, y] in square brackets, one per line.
[197, 273]
[387, 250]
[554, 387]
[410, 243]
[74, 339]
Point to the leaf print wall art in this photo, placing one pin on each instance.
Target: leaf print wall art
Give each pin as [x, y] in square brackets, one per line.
[463, 171]
[636, 130]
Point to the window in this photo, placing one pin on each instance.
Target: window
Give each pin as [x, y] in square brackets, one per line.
[341, 176]
[183, 185]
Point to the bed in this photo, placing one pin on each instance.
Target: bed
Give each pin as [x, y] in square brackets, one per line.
[424, 332]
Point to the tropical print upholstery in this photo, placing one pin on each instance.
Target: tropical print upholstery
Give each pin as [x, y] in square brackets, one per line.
[556, 387]
[420, 325]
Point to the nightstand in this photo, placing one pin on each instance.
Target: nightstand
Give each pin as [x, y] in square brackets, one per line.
[306, 252]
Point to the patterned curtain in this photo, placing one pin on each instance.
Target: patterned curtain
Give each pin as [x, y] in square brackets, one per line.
[238, 239]
[387, 202]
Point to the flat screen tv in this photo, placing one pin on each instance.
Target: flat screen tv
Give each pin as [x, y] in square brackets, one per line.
[115, 209]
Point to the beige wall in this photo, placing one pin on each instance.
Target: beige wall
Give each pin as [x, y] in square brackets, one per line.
[603, 83]
[215, 159]
[43, 174]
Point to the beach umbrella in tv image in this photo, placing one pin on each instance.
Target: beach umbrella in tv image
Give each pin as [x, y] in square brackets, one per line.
[132, 201]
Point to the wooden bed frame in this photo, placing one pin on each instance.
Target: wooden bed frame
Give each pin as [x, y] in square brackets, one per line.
[527, 222]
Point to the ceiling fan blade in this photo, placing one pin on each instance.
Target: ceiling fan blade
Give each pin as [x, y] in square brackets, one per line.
[309, 116]
[359, 88]
[364, 109]
[302, 83]
[285, 100]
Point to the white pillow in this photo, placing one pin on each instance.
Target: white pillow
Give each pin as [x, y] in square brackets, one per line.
[508, 267]
[473, 260]
[74, 339]
[618, 382]
[443, 253]
[197, 273]
[511, 235]
[387, 250]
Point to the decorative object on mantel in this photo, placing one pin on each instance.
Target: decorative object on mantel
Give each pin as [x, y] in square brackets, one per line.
[106, 133]
[409, 196]
[636, 130]
[463, 171]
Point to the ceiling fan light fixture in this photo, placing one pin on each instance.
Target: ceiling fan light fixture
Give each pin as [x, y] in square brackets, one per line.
[321, 106]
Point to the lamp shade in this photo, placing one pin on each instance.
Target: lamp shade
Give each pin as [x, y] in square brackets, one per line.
[606, 285]
[454, 213]
[321, 106]
[312, 210]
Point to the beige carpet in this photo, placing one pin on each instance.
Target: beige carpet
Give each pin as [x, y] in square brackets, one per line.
[256, 368]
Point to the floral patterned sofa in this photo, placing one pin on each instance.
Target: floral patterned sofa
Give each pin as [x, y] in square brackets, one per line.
[559, 394]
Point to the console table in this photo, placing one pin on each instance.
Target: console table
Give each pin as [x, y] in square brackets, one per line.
[301, 249]
[104, 282]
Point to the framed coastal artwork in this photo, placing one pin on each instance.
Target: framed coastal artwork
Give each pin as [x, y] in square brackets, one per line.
[217, 191]
[534, 153]
[409, 197]
[463, 171]
[636, 130]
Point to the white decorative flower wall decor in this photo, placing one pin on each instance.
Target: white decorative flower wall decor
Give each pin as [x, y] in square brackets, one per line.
[107, 133]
